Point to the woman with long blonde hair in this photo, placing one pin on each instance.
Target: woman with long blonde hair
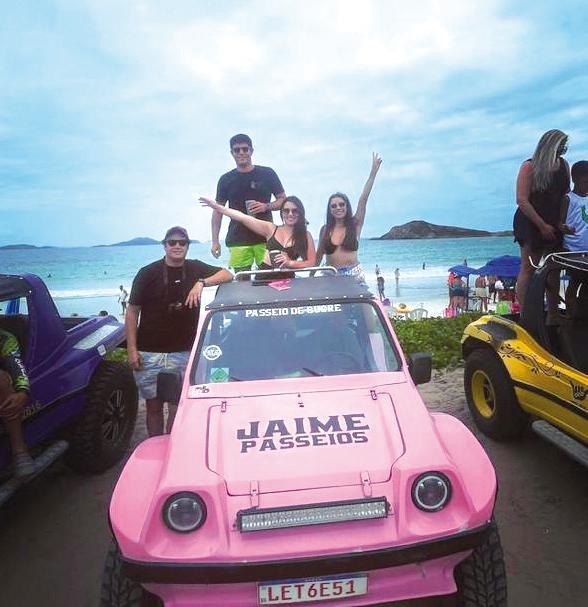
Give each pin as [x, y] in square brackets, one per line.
[542, 182]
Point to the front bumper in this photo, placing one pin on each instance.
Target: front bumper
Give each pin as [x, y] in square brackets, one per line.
[239, 572]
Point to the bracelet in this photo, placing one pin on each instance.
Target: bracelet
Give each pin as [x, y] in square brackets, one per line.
[268, 206]
[202, 281]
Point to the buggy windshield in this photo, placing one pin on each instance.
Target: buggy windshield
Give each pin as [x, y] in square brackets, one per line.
[293, 341]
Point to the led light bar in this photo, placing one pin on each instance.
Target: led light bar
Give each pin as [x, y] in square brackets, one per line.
[312, 514]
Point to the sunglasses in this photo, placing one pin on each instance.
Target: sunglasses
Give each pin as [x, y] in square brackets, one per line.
[290, 211]
[337, 205]
[241, 148]
[172, 243]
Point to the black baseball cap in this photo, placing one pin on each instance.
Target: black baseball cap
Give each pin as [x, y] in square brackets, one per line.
[176, 230]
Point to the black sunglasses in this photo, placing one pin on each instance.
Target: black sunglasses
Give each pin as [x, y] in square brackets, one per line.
[173, 243]
[337, 205]
[243, 148]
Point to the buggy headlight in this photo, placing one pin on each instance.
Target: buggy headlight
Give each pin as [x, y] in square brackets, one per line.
[431, 491]
[184, 512]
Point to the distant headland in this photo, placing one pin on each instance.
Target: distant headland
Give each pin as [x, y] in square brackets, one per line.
[137, 242]
[422, 230]
[9, 247]
[134, 242]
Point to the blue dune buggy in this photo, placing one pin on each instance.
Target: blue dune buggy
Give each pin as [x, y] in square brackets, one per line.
[80, 404]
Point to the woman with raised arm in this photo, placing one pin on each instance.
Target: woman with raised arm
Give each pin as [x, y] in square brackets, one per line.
[339, 237]
[293, 241]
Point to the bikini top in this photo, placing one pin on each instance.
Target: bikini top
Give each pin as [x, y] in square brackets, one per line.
[330, 248]
[274, 245]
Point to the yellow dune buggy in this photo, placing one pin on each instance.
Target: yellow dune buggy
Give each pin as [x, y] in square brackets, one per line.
[521, 370]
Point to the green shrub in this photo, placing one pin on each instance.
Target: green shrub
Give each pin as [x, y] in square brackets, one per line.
[118, 355]
[439, 336]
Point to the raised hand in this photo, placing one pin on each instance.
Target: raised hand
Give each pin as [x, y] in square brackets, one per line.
[376, 162]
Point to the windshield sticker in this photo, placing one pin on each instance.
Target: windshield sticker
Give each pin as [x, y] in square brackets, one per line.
[297, 311]
[278, 434]
[212, 352]
[219, 374]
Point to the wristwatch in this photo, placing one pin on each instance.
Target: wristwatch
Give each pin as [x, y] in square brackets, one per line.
[202, 281]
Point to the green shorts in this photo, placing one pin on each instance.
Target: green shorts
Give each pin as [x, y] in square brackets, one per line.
[243, 257]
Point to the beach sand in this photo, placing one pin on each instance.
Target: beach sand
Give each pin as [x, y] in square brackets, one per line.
[54, 533]
[541, 506]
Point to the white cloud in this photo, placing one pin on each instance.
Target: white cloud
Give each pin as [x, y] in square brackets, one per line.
[130, 105]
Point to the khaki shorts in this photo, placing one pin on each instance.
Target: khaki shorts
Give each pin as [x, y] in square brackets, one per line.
[244, 256]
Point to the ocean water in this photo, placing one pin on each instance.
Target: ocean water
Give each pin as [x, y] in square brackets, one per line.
[85, 280]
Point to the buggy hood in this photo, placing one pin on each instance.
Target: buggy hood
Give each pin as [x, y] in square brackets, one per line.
[296, 441]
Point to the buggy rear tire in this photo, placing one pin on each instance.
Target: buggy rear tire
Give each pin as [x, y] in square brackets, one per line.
[481, 578]
[101, 435]
[491, 397]
[117, 590]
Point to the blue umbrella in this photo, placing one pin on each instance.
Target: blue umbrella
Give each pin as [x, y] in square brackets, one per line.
[461, 270]
[506, 266]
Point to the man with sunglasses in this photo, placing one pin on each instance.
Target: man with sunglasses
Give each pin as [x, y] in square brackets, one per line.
[247, 188]
[162, 317]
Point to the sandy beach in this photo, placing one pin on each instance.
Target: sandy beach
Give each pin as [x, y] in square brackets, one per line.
[54, 533]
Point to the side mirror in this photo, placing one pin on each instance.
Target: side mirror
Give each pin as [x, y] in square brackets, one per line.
[169, 387]
[420, 365]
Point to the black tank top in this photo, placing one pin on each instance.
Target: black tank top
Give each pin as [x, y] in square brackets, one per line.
[547, 202]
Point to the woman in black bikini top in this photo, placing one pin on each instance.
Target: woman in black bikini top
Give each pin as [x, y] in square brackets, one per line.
[292, 239]
[344, 227]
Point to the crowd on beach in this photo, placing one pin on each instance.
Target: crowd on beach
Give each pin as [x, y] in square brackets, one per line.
[487, 289]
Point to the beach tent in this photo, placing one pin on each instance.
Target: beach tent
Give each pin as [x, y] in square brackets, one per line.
[506, 266]
[461, 270]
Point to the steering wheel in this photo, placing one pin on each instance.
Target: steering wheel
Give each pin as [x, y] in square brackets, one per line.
[341, 361]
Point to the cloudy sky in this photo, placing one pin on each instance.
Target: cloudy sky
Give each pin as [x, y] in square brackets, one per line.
[115, 115]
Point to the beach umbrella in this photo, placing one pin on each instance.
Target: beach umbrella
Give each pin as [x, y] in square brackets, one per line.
[461, 270]
[505, 266]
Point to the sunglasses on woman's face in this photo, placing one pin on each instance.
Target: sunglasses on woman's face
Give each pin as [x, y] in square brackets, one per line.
[337, 205]
[290, 211]
[173, 243]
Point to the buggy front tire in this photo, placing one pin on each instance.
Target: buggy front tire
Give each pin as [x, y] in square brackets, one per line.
[490, 396]
[101, 435]
[117, 590]
[481, 578]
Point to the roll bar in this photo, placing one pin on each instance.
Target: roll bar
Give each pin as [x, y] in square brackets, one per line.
[312, 270]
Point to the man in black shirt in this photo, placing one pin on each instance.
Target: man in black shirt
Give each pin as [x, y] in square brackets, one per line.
[249, 189]
[166, 294]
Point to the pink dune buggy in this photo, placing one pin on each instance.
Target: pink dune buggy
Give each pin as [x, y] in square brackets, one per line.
[303, 467]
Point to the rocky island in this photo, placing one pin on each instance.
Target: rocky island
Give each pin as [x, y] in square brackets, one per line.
[423, 229]
[136, 242]
[18, 247]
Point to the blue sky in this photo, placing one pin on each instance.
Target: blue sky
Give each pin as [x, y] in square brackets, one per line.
[115, 116]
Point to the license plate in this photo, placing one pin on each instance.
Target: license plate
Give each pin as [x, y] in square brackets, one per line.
[311, 589]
